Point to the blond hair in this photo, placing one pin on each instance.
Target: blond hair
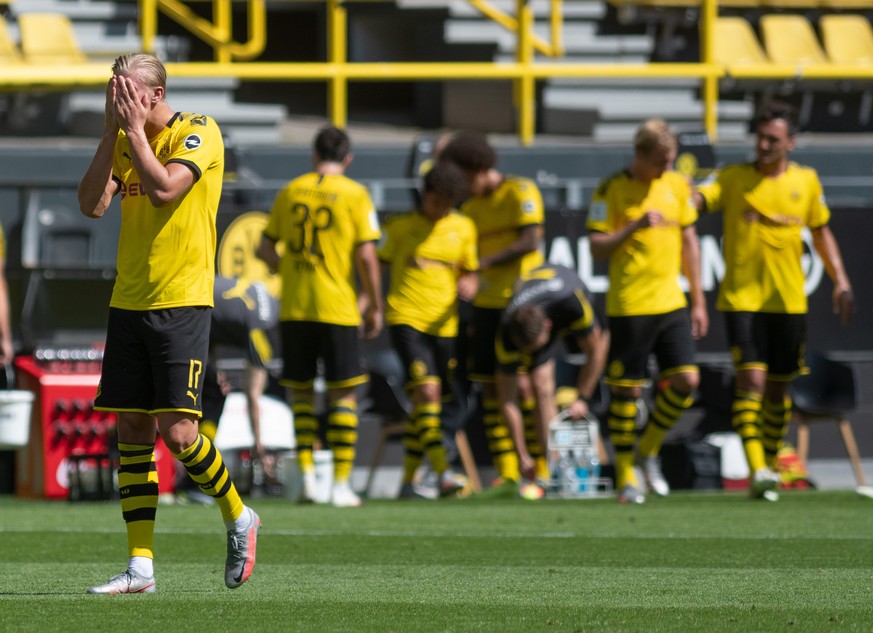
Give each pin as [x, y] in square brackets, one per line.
[148, 67]
[652, 134]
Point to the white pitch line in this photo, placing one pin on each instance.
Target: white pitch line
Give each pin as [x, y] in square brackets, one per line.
[437, 534]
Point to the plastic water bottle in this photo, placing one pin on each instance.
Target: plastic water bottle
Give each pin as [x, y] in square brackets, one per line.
[587, 469]
[582, 477]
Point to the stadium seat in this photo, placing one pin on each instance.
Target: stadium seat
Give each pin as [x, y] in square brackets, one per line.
[723, 4]
[685, 3]
[790, 39]
[48, 38]
[844, 5]
[387, 402]
[9, 54]
[848, 39]
[828, 392]
[790, 4]
[736, 44]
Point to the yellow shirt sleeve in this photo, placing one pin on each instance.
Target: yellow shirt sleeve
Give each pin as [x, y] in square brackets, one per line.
[366, 219]
[529, 205]
[819, 212]
[470, 258]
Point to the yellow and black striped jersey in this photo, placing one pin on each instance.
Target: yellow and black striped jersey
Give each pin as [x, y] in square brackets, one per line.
[426, 259]
[515, 204]
[321, 219]
[644, 270]
[166, 255]
[763, 220]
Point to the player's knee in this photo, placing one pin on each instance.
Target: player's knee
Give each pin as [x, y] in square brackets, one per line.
[685, 382]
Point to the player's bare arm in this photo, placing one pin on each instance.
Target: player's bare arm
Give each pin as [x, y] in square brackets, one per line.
[369, 271]
[141, 113]
[595, 346]
[826, 246]
[267, 253]
[691, 268]
[255, 384]
[530, 238]
[542, 380]
[6, 351]
[96, 189]
[507, 396]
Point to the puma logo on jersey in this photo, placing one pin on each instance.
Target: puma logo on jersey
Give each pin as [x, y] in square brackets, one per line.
[191, 395]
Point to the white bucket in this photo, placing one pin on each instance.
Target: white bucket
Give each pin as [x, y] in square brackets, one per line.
[323, 476]
[15, 409]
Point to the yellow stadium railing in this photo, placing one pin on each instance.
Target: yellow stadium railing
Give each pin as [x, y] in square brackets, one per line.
[337, 71]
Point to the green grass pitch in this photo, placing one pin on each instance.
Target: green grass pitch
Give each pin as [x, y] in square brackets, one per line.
[691, 562]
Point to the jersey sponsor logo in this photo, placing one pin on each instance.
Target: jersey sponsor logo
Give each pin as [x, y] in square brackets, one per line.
[192, 141]
[132, 189]
[264, 301]
[423, 263]
[528, 206]
[527, 295]
[163, 152]
[577, 256]
[305, 266]
[751, 216]
[496, 233]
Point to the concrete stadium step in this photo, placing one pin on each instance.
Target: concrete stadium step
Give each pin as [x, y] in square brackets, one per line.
[631, 101]
[624, 132]
[80, 9]
[592, 10]
[579, 38]
[104, 30]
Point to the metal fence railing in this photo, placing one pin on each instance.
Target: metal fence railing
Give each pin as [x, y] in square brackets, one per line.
[234, 59]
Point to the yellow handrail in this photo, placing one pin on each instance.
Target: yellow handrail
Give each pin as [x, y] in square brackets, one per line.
[337, 53]
[523, 72]
[218, 33]
[555, 49]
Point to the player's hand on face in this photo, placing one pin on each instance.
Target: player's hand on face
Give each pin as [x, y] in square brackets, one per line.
[131, 104]
[110, 120]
